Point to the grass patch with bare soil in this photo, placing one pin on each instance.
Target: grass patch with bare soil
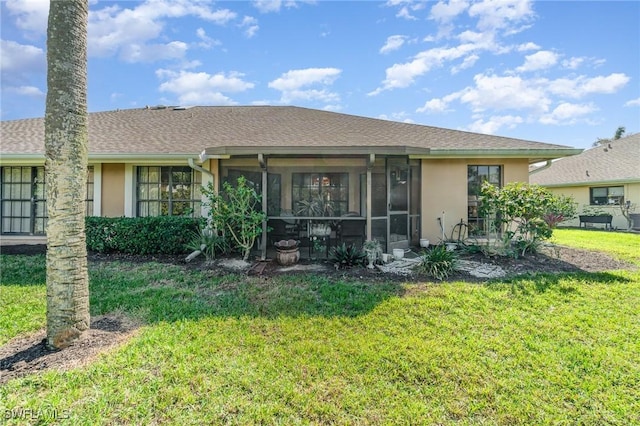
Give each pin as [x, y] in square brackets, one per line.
[309, 349]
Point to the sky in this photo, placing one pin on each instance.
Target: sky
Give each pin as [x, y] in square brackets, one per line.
[564, 72]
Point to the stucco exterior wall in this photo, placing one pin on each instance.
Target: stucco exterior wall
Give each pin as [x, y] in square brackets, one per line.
[113, 190]
[581, 196]
[444, 191]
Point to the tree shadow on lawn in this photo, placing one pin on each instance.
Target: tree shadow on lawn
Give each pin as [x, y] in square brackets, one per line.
[564, 283]
[172, 294]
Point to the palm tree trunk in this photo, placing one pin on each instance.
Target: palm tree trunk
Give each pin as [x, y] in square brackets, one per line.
[66, 172]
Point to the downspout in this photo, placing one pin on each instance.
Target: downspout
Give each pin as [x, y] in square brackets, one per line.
[200, 169]
[539, 169]
[194, 166]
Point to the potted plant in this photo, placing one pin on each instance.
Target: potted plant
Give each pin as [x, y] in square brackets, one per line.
[373, 250]
[317, 206]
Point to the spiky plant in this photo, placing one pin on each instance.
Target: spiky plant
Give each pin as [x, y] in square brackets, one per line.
[347, 256]
[438, 262]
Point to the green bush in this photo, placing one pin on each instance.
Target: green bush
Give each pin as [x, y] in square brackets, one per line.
[140, 235]
[208, 242]
[234, 211]
[526, 214]
[438, 262]
[347, 256]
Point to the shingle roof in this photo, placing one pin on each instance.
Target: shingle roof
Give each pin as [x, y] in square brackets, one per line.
[192, 130]
[614, 161]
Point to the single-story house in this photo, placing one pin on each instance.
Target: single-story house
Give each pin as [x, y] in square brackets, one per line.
[399, 181]
[601, 178]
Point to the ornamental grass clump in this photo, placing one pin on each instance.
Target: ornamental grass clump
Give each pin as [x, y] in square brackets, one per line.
[347, 256]
[438, 262]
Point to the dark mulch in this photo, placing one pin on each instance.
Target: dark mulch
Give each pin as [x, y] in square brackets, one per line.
[26, 355]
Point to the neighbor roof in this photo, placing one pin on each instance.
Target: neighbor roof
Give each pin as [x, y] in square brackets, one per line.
[224, 130]
[614, 161]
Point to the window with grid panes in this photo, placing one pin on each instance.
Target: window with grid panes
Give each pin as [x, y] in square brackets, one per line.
[168, 191]
[333, 187]
[476, 175]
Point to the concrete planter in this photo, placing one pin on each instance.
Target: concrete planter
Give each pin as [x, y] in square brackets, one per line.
[287, 252]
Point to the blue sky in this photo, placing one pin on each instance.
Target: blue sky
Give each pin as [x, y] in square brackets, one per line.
[565, 72]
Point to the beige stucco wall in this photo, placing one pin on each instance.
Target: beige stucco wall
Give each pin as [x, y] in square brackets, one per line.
[444, 191]
[581, 196]
[113, 190]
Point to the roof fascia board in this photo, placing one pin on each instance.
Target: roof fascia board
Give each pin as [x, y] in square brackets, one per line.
[312, 150]
[592, 183]
[105, 158]
[533, 154]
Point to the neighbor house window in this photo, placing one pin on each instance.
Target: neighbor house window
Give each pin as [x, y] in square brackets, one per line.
[607, 195]
[333, 187]
[476, 175]
[168, 191]
[23, 199]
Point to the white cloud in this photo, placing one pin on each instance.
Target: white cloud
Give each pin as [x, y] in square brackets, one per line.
[580, 86]
[501, 14]
[535, 97]
[538, 61]
[16, 59]
[405, 14]
[573, 63]
[269, 6]
[153, 52]
[495, 123]
[404, 75]
[206, 42]
[444, 12]
[296, 79]
[527, 46]
[117, 31]
[199, 88]
[293, 85]
[567, 113]
[468, 62]
[394, 42]
[609, 84]
[406, 7]
[31, 15]
[510, 92]
[632, 102]
[292, 96]
[250, 25]
[30, 91]
[434, 106]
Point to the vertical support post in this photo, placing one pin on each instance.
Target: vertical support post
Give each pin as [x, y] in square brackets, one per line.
[263, 165]
[370, 164]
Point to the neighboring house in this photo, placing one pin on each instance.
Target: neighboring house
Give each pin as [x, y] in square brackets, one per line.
[603, 178]
[403, 181]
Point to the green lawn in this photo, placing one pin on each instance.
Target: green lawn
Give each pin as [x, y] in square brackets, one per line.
[561, 349]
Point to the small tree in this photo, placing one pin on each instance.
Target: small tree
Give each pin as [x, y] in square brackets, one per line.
[521, 210]
[233, 212]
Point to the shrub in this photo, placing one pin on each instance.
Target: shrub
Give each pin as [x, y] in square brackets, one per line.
[233, 211]
[140, 235]
[347, 256]
[208, 242]
[438, 262]
[520, 211]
